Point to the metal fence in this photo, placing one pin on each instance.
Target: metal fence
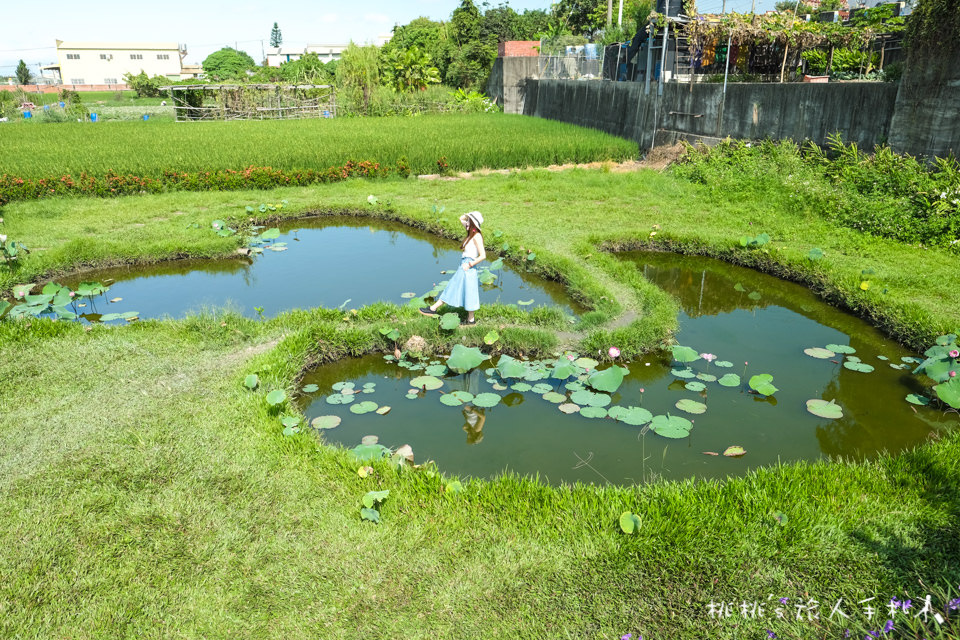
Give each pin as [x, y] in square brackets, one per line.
[561, 61]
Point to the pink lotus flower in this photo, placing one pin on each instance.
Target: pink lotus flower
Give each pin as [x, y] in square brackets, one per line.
[953, 374]
[641, 389]
[709, 357]
[954, 354]
[571, 357]
[614, 352]
[73, 294]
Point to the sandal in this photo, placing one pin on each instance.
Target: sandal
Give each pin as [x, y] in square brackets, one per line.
[427, 311]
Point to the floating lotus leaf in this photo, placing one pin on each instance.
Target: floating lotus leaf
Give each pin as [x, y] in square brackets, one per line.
[499, 387]
[563, 369]
[586, 363]
[819, 353]
[276, 397]
[496, 265]
[862, 367]
[487, 277]
[724, 364]
[363, 407]
[629, 522]
[340, 398]
[574, 386]
[684, 354]
[491, 337]
[426, 382]
[734, 452]
[525, 303]
[762, 384]
[111, 300]
[252, 381]
[949, 392]
[463, 359]
[449, 321]
[384, 410]
[368, 452]
[695, 386]
[569, 407]
[510, 367]
[339, 386]
[277, 248]
[531, 256]
[435, 370]
[533, 375]
[683, 373]
[918, 400]
[841, 348]
[541, 388]
[456, 398]
[310, 388]
[824, 409]
[408, 295]
[691, 406]
[634, 416]
[671, 426]
[522, 387]
[882, 358]
[486, 400]
[413, 395]
[910, 359]
[853, 359]
[706, 377]
[608, 380]
[585, 397]
[754, 295]
[369, 440]
[369, 385]
[593, 412]
[730, 380]
[270, 234]
[554, 397]
[899, 366]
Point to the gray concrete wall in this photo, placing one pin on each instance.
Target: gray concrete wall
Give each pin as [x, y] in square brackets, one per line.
[507, 85]
[861, 112]
[927, 116]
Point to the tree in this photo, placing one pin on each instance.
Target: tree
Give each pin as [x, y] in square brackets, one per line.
[228, 64]
[23, 74]
[144, 86]
[466, 22]
[833, 5]
[276, 39]
[788, 6]
[410, 70]
[359, 71]
[309, 69]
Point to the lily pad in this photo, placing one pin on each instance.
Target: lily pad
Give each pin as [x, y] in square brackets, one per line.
[499, 387]
[882, 358]
[629, 522]
[734, 451]
[684, 354]
[521, 387]
[435, 370]
[463, 359]
[449, 321]
[695, 386]
[949, 392]
[340, 398]
[683, 373]
[593, 412]
[486, 400]
[541, 388]
[413, 395]
[252, 381]
[564, 369]
[608, 380]
[310, 388]
[554, 397]
[862, 367]
[819, 353]
[706, 377]
[841, 348]
[428, 383]
[671, 426]
[729, 380]
[276, 397]
[363, 407]
[408, 295]
[824, 409]
[691, 406]
[569, 407]
[724, 364]
[370, 439]
[340, 386]
[586, 363]
[634, 416]
[585, 397]
[270, 234]
[918, 400]
[325, 422]
[763, 384]
[384, 410]
[456, 398]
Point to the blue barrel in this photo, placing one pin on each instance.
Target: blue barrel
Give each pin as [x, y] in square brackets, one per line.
[146, 116]
[46, 107]
[62, 104]
[27, 115]
[93, 117]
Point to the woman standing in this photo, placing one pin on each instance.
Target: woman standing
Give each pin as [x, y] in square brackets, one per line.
[463, 290]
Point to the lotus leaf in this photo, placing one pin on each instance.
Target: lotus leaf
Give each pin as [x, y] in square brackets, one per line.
[340, 398]
[270, 234]
[310, 388]
[936, 369]
[739, 287]
[706, 377]
[824, 409]
[754, 295]
[730, 380]
[384, 410]
[819, 353]
[695, 386]
[326, 422]
[373, 497]
[408, 294]
[841, 348]
[586, 363]
[436, 370]
[487, 277]
[608, 380]
[691, 406]
[947, 339]
[684, 354]
[454, 486]
[585, 397]
[541, 388]
[734, 451]
[853, 359]
[862, 367]
[499, 387]
[554, 397]
[762, 384]
[563, 369]
[371, 515]
[949, 392]
[671, 426]
[629, 522]
[276, 397]
[510, 367]
[368, 452]
[369, 385]
[369, 440]
[525, 303]
[569, 407]
[521, 387]
[339, 386]
[486, 400]
[456, 398]
[4, 305]
[533, 375]
[289, 431]
[363, 407]
[683, 373]
[531, 256]
[882, 358]
[815, 254]
[449, 321]
[574, 386]
[491, 337]
[252, 381]
[593, 412]
[429, 383]
[463, 359]
[413, 395]
[725, 364]
[634, 416]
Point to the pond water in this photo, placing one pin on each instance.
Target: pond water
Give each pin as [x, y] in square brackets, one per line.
[737, 314]
[326, 262]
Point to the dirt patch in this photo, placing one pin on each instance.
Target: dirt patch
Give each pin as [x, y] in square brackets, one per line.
[660, 158]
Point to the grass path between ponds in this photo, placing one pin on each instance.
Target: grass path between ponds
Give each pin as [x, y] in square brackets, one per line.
[149, 495]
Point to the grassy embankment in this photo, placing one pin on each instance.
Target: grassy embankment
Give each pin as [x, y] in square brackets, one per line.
[155, 497]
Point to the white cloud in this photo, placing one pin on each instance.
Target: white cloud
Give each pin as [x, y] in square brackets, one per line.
[381, 18]
[329, 18]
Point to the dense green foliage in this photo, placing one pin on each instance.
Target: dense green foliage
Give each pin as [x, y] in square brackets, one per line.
[884, 193]
[227, 64]
[467, 142]
[934, 26]
[276, 38]
[23, 73]
[144, 86]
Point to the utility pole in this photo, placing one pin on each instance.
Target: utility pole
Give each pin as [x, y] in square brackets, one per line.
[609, 13]
[620, 14]
[753, 7]
[724, 10]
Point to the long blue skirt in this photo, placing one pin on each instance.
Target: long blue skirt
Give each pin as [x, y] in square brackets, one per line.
[463, 290]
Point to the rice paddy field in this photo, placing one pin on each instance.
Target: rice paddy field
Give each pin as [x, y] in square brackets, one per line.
[148, 149]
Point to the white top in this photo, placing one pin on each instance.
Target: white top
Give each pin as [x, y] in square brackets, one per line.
[471, 250]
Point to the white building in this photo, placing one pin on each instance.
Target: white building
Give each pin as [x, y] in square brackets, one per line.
[106, 62]
[326, 52]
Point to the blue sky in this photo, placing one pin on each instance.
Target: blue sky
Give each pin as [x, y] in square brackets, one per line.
[207, 26]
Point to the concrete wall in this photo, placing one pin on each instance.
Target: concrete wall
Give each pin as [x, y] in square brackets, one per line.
[861, 112]
[507, 85]
[927, 116]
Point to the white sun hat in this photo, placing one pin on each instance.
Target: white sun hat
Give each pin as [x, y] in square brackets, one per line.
[476, 216]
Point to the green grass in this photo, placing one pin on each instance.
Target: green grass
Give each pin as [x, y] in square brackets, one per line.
[466, 141]
[91, 98]
[152, 496]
